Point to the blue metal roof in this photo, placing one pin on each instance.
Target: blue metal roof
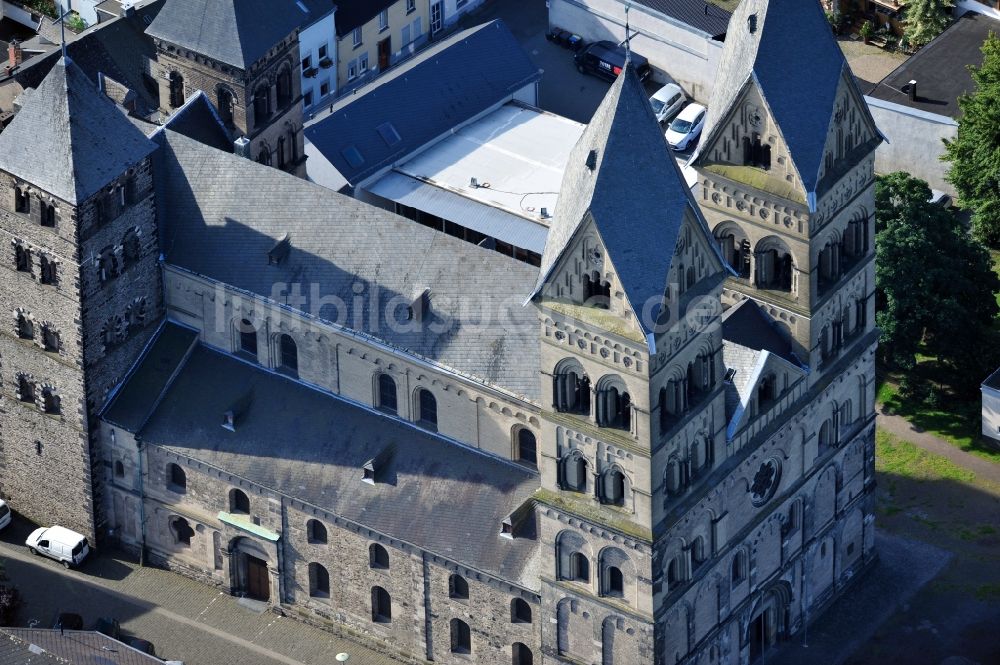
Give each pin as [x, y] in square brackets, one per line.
[422, 99]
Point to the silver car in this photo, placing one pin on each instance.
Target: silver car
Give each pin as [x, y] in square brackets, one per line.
[667, 101]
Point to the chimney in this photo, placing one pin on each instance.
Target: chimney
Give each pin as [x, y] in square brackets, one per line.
[241, 147]
[912, 90]
[15, 55]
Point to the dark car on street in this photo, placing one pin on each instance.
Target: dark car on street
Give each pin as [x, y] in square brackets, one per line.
[607, 59]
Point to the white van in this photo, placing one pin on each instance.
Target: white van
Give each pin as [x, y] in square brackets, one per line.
[4, 514]
[59, 543]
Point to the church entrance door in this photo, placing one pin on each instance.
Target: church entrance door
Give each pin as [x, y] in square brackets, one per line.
[258, 583]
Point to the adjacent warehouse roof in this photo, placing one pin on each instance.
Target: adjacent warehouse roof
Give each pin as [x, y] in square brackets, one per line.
[941, 69]
[235, 32]
[421, 100]
[516, 155]
[312, 446]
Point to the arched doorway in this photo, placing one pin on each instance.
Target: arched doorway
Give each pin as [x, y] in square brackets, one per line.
[768, 622]
[249, 575]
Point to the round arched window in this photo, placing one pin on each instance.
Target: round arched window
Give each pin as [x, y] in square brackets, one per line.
[765, 482]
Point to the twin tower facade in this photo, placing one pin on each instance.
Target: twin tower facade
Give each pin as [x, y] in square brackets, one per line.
[705, 424]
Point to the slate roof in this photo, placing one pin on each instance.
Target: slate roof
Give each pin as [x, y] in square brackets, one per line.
[796, 63]
[79, 647]
[69, 139]
[16, 651]
[221, 214]
[699, 14]
[439, 496]
[941, 69]
[235, 32]
[635, 193]
[748, 325]
[197, 119]
[355, 13]
[423, 98]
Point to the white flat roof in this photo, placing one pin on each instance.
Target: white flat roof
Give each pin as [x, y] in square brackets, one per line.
[516, 154]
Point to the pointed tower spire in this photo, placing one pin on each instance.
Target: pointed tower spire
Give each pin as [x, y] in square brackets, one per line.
[622, 175]
[70, 140]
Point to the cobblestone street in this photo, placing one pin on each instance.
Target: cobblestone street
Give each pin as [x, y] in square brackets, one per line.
[185, 620]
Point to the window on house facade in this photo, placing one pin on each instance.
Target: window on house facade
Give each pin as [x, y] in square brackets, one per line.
[461, 637]
[284, 88]
[176, 89]
[614, 407]
[571, 390]
[25, 389]
[25, 326]
[574, 472]
[613, 487]
[239, 502]
[225, 101]
[458, 587]
[352, 70]
[131, 249]
[577, 568]
[50, 339]
[307, 98]
[48, 215]
[22, 258]
[316, 532]
[50, 401]
[281, 152]
[521, 654]
[381, 605]
[48, 273]
[520, 611]
[182, 531]
[289, 354]
[527, 448]
[378, 557]
[383, 20]
[176, 478]
[363, 64]
[614, 582]
[386, 394]
[107, 264]
[119, 469]
[22, 201]
[319, 581]
[411, 6]
[739, 568]
[356, 37]
[427, 409]
[248, 338]
[261, 104]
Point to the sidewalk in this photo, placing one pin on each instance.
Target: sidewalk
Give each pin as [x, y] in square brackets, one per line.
[184, 619]
[899, 426]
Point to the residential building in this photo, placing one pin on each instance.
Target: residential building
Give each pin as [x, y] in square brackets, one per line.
[916, 105]
[657, 446]
[374, 35]
[318, 51]
[681, 40]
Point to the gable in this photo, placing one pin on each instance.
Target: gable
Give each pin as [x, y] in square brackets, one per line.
[758, 374]
[852, 135]
[745, 140]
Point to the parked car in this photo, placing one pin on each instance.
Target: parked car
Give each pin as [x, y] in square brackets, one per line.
[606, 60]
[4, 514]
[65, 546]
[68, 621]
[686, 127]
[142, 645]
[110, 627]
[667, 101]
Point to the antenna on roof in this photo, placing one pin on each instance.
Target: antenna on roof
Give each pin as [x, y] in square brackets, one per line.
[62, 28]
[628, 37]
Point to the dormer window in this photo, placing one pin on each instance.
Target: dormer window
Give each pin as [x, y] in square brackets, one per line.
[371, 469]
[232, 416]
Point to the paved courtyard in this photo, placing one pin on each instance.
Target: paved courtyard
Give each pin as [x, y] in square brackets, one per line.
[185, 620]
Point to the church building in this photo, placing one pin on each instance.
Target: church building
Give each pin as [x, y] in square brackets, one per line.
[657, 447]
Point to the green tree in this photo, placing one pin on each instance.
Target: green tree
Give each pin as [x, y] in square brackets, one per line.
[935, 283]
[975, 152]
[926, 19]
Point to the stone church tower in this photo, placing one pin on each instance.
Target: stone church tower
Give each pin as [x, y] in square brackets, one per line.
[243, 54]
[707, 367]
[82, 290]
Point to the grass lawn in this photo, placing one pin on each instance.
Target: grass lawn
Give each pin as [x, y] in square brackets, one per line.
[902, 458]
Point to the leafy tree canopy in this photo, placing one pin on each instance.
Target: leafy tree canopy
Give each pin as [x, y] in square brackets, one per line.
[926, 19]
[975, 153]
[935, 283]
